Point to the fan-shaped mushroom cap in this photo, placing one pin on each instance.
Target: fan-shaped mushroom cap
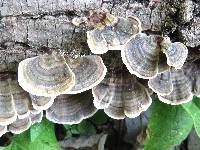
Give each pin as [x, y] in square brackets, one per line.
[176, 53]
[181, 89]
[113, 37]
[120, 94]
[41, 102]
[71, 109]
[3, 130]
[162, 83]
[45, 75]
[20, 125]
[89, 71]
[141, 55]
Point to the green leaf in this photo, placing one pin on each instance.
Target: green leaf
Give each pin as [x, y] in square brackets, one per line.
[193, 109]
[99, 118]
[41, 136]
[86, 127]
[168, 126]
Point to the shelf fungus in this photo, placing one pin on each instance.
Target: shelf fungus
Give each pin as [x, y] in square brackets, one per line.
[113, 37]
[176, 87]
[143, 55]
[21, 125]
[89, 71]
[14, 101]
[45, 75]
[120, 94]
[71, 109]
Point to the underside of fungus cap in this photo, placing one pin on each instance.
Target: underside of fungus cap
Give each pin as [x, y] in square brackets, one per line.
[20, 125]
[89, 71]
[120, 94]
[71, 109]
[141, 55]
[45, 75]
[181, 89]
[41, 102]
[162, 83]
[176, 53]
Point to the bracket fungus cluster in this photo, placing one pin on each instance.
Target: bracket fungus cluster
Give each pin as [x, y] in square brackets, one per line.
[120, 94]
[72, 89]
[109, 32]
[17, 113]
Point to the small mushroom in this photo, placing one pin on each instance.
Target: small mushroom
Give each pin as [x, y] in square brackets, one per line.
[41, 102]
[120, 94]
[181, 92]
[71, 109]
[176, 53]
[89, 71]
[141, 55]
[162, 83]
[113, 37]
[45, 75]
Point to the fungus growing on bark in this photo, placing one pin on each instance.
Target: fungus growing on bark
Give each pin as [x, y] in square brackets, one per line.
[120, 94]
[45, 75]
[143, 55]
[89, 71]
[113, 36]
[176, 82]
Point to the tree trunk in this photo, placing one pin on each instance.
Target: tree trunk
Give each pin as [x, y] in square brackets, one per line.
[28, 27]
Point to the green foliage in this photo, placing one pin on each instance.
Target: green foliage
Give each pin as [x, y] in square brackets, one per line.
[168, 126]
[41, 136]
[193, 109]
[87, 126]
[99, 118]
[83, 128]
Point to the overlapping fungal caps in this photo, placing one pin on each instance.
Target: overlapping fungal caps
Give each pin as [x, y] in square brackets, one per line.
[14, 101]
[120, 94]
[16, 111]
[21, 125]
[143, 55]
[71, 109]
[45, 75]
[172, 87]
[89, 71]
[114, 36]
